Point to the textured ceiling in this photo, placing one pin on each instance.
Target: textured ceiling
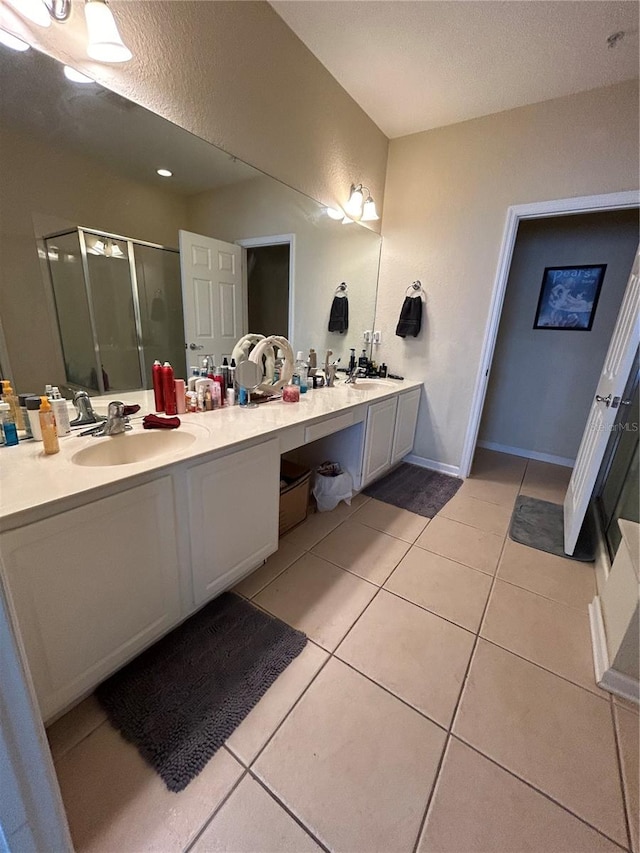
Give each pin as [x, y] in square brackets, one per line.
[413, 66]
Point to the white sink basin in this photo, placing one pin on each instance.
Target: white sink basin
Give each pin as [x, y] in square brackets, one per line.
[364, 384]
[128, 448]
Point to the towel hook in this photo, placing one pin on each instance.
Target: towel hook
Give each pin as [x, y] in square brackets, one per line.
[415, 286]
[342, 287]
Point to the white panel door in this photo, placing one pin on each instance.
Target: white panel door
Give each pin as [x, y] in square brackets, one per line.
[406, 420]
[213, 295]
[233, 516]
[613, 379]
[378, 442]
[92, 587]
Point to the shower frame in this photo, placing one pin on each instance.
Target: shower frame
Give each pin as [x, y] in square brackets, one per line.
[81, 230]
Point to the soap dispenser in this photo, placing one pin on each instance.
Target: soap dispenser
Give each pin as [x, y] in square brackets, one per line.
[48, 427]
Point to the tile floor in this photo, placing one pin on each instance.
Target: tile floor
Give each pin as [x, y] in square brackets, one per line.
[445, 702]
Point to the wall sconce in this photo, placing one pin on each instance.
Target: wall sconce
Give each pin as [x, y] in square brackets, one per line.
[359, 208]
[104, 44]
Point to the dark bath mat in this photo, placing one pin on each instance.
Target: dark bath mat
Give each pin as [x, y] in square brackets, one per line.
[414, 488]
[540, 524]
[181, 699]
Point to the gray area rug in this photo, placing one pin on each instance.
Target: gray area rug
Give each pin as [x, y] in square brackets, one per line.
[180, 700]
[540, 524]
[414, 488]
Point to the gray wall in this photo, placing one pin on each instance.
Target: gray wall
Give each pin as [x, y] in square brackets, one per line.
[543, 381]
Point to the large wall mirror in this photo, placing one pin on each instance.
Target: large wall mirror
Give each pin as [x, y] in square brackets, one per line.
[95, 243]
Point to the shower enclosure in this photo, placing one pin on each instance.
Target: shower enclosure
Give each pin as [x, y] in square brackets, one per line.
[119, 307]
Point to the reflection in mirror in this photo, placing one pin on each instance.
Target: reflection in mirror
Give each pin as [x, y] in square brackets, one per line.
[93, 287]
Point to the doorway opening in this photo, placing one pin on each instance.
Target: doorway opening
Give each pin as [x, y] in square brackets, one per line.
[269, 270]
[564, 290]
[515, 215]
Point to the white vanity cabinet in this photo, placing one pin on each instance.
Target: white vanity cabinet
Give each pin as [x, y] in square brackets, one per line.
[378, 440]
[405, 429]
[92, 587]
[233, 516]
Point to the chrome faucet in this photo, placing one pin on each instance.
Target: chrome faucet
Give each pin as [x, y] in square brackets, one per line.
[84, 408]
[116, 423]
[352, 375]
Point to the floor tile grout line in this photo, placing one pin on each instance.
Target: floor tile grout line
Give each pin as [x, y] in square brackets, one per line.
[623, 788]
[471, 631]
[463, 685]
[58, 758]
[217, 809]
[286, 808]
[444, 557]
[544, 668]
[572, 607]
[533, 787]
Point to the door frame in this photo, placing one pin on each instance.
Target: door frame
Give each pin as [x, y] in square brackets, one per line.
[516, 213]
[277, 240]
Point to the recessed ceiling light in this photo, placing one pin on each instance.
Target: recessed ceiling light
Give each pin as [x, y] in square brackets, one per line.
[164, 173]
[9, 40]
[76, 76]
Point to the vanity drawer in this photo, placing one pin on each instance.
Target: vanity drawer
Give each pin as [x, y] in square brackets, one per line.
[316, 431]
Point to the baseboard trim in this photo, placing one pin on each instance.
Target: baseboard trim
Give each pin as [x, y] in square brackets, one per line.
[423, 462]
[528, 454]
[607, 678]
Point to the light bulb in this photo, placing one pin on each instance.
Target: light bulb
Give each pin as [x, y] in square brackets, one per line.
[105, 43]
[32, 10]
[76, 76]
[347, 221]
[164, 173]
[353, 207]
[369, 212]
[9, 40]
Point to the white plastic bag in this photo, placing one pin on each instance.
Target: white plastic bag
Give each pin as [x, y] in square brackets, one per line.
[329, 491]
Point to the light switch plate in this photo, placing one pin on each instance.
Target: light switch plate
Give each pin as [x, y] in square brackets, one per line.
[366, 336]
[377, 337]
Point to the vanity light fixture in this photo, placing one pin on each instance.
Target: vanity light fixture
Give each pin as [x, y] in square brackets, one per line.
[105, 43]
[360, 207]
[335, 213]
[76, 76]
[13, 42]
[164, 173]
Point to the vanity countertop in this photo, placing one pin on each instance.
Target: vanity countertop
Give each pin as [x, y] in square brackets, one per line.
[33, 485]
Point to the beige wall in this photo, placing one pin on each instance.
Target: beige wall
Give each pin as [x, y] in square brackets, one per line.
[53, 188]
[234, 74]
[446, 200]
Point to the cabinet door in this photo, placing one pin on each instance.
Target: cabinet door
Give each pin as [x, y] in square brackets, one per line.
[378, 442]
[233, 516]
[92, 587]
[406, 420]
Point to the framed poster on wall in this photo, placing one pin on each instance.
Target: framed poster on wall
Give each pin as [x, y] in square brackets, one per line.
[569, 297]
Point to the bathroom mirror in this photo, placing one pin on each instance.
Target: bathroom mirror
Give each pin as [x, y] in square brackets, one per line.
[89, 233]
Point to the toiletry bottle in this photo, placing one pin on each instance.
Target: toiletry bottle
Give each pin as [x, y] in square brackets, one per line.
[382, 373]
[8, 431]
[231, 397]
[169, 389]
[158, 381]
[232, 376]
[33, 410]
[48, 390]
[9, 397]
[225, 372]
[300, 372]
[219, 378]
[22, 401]
[195, 375]
[48, 427]
[313, 359]
[192, 401]
[363, 361]
[352, 360]
[181, 400]
[60, 412]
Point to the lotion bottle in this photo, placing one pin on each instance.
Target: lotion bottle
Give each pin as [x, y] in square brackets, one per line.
[60, 412]
[33, 410]
[48, 427]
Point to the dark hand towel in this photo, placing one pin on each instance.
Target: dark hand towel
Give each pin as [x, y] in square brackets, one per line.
[410, 317]
[339, 316]
[154, 422]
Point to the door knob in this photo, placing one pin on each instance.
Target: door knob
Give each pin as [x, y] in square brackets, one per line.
[195, 346]
[606, 400]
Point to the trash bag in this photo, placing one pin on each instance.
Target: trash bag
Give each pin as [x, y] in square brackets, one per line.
[329, 490]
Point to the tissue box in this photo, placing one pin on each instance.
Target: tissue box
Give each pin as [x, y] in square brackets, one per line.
[294, 494]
